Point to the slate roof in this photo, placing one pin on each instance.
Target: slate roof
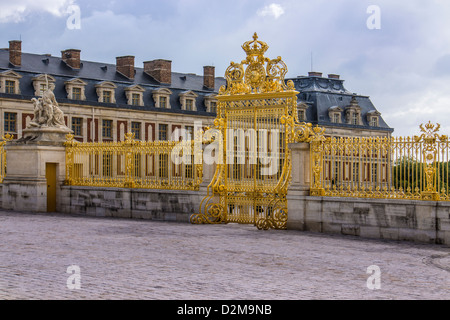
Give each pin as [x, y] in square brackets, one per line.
[317, 92]
[321, 94]
[95, 72]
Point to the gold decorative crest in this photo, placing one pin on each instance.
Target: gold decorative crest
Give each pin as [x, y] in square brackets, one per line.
[262, 75]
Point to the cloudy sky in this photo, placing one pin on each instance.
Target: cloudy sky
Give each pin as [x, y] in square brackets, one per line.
[400, 58]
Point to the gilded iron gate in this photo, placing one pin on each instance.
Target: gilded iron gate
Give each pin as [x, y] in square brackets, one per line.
[256, 119]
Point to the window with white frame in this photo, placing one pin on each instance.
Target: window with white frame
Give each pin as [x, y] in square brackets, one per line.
[40, 84]
[161, 98]
[135, 95]
[188, 100]
[211, 103]
[9, 82]
[75, 89]
[106, 92]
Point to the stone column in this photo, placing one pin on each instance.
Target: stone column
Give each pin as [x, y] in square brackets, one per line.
[300, 185]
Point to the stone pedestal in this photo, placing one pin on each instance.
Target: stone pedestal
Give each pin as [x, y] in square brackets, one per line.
[48, 135]
[25, 185]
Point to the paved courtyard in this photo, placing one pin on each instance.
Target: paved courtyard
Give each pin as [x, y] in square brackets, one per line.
[135, 259]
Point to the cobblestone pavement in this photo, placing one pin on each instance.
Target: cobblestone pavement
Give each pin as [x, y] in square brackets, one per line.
[135, 259]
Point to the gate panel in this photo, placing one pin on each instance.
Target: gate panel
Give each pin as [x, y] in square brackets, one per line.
[257, 116]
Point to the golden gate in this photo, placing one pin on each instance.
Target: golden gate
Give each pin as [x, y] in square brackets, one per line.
[256, 119]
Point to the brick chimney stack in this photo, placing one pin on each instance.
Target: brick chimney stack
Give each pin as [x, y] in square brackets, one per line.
[72, 58]
[15, 52]
[333, 76]
[125, 65]
[315, 74]
[208, 76]
[160, 70]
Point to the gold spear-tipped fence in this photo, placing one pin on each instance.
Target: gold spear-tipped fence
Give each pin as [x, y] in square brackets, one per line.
[382, 167]
[134, 164]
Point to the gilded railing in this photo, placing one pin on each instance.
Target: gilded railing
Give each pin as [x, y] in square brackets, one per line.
[382, 167]
[134, 164]
[7, 137]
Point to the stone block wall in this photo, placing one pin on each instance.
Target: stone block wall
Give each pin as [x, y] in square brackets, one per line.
[163, 205]
[420, 221]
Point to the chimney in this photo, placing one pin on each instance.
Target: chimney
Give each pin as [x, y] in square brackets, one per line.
[125, 65]
[15, 52]
[208, 77]
[72, 58]
[314, 74]
[333, 76]
[160, 70]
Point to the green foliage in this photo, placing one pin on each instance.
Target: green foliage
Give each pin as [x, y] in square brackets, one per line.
[410, 173]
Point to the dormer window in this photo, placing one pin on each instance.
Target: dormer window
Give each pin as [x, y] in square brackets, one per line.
[135, 95]
[188, 100]
[162, 98]
[107, 96]
[355, 118]
[106, 92]
[9, 82]
[76, 93]
[301, 111]
[163, 102]
[335, 113]
[40, 84]
[10, 86]
[211, 103]
[75, 89]
[353, 112]
[189, 104]
[336, 118]
[373, 118]
[374, 122]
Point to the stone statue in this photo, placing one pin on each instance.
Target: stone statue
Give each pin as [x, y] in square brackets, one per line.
[48, 122]
[46, 111]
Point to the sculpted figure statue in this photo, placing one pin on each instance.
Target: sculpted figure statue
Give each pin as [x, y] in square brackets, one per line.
[46, 110]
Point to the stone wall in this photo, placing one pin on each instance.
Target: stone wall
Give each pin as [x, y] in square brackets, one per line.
[420, 221]
[164, 205]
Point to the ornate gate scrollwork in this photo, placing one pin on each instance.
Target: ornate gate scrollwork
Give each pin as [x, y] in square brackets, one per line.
[257, 117]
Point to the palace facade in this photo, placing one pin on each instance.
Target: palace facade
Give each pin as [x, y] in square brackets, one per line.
[102, 102]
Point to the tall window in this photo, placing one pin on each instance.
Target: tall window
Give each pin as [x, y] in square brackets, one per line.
[163, 132]
[42, 88]
[213, 107]
[374, 122]
[10, 86]
[336, 118]
[189, 104]
[107, 96]
[355, 118]
[10, 124]
[77, 126]
[189, 133]
[76, 93]
[107, 129]
[163, 102]
[301, 115]
[136, 129]
[135, 99]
